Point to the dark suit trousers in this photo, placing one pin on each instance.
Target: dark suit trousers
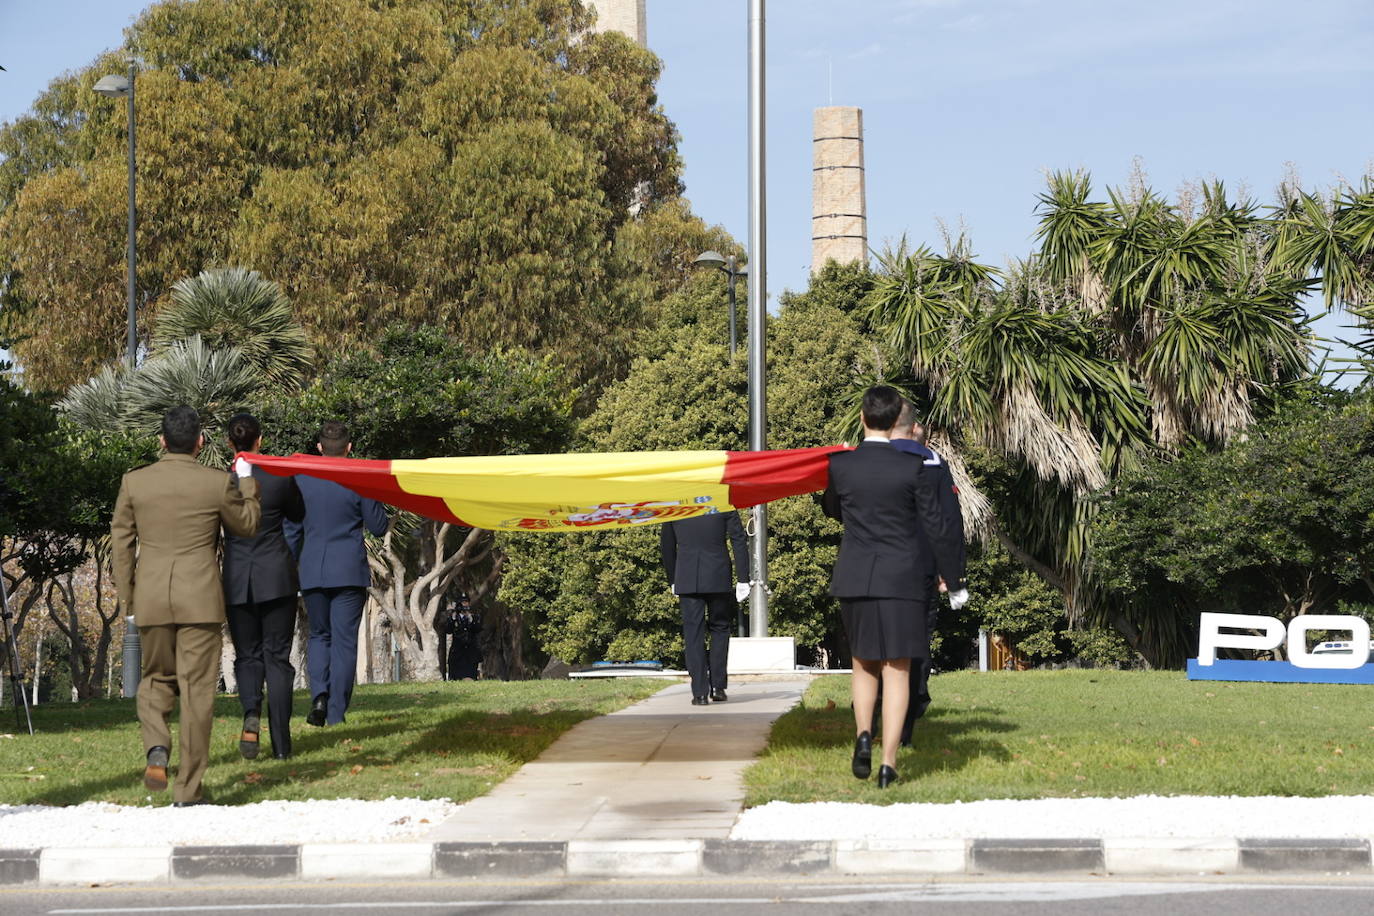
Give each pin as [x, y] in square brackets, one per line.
[262, 631]
[331, 655]
[715, 612]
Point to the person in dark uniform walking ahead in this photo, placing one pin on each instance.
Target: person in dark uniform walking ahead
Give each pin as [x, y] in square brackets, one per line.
[890, 511]
[698, 566]
[334, 577]
[910, 437]
[260, 588]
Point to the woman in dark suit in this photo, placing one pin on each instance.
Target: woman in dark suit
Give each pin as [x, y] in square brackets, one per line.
[260, 588]
[895, 538]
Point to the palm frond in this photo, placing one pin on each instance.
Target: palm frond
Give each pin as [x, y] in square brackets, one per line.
[238, 308]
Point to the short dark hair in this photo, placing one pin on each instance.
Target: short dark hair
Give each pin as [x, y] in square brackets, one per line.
[244, 431]
[181, 429]
[907, 415]
[333, 438]
[881, 407]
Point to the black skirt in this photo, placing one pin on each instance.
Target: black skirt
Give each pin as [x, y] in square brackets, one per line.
[883, 628]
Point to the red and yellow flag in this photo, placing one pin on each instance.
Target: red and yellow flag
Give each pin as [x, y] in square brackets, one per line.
[571, 492]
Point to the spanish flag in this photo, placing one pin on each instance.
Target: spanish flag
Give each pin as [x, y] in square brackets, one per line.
[571, 492]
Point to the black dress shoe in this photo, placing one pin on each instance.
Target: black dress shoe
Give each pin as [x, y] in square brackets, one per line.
[886, 776]
[700, 701]
[863, 755]
[191, 804]
[318, 710]
[718, 696]
[248, 738]
[281, 755]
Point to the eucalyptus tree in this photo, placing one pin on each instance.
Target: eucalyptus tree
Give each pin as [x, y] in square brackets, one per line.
[469, 164]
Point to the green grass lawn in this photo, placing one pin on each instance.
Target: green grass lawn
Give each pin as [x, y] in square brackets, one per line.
[432, 740]
[1063, 734]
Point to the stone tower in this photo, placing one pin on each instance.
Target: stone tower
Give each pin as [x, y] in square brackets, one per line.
[624, 16]
[839, 212]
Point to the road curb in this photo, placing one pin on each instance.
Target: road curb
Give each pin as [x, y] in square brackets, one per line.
[680, 858]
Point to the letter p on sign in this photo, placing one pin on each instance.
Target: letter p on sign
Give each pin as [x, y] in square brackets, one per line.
[1210, 637]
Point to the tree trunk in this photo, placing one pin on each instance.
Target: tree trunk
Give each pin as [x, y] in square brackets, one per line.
[410, 606]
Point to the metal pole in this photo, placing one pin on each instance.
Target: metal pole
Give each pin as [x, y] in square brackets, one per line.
[132, 351]
[758, 235]
[21, 700]
[133, 659]
[734, 336]
[37, 659]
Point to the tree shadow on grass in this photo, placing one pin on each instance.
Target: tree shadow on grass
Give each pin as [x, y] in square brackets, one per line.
[943, 740]
[382, 740]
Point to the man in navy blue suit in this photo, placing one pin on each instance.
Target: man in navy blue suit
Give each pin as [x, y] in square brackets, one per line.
[698, 568]
[334, 577]
[909, 436]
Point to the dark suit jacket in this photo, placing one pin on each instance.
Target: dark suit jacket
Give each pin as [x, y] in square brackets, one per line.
[261, 567]
[164, 535]
[944, 485]
[329, 541]
[694, 555]
[887, 501]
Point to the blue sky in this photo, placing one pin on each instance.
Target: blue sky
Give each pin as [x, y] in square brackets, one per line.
[966, 102]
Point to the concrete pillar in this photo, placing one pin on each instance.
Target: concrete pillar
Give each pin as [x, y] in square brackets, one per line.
[624, 16]
[839, 211]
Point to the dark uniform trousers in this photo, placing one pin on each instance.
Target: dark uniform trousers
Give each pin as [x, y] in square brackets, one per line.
[262, 632]
[714, 613]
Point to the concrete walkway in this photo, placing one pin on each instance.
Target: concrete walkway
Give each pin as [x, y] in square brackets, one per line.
[660, 769]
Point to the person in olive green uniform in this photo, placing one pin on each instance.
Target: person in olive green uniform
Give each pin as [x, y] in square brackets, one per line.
[164, 536]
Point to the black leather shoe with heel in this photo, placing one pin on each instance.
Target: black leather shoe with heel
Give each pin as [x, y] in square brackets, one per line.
[886, 776]
[862, 764]
[248, 738]
[318, 710]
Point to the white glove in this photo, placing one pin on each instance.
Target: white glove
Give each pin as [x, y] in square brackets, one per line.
[741, 591]
[958, 599]
[673, 588]
[242, 468]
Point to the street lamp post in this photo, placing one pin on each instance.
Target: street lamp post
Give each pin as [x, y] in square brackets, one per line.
[115, 87]
[725, 264]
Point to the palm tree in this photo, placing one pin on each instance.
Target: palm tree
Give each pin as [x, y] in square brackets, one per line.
[1139, 326]
[236, 308]
[215, 382]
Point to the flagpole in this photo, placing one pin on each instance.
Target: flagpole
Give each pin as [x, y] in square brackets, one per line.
[758, 299]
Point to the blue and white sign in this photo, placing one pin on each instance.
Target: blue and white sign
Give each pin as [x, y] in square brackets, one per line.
[1339, 662]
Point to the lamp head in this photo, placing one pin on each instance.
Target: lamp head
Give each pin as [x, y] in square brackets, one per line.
[710, 259]
[112, 86]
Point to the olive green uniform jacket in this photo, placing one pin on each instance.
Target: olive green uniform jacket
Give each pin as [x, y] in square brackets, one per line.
[164, 537]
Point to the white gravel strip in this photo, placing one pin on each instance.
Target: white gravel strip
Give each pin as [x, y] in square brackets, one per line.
[1138, 817]
[97, 824]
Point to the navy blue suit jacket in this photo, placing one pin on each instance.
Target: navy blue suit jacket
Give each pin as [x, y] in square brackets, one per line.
[328, 543]
[947, 492]
[694, 555]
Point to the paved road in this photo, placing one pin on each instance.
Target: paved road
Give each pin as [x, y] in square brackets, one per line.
[717, 897]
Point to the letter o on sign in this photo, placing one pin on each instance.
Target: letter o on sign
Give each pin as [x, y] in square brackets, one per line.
[1297, 641]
